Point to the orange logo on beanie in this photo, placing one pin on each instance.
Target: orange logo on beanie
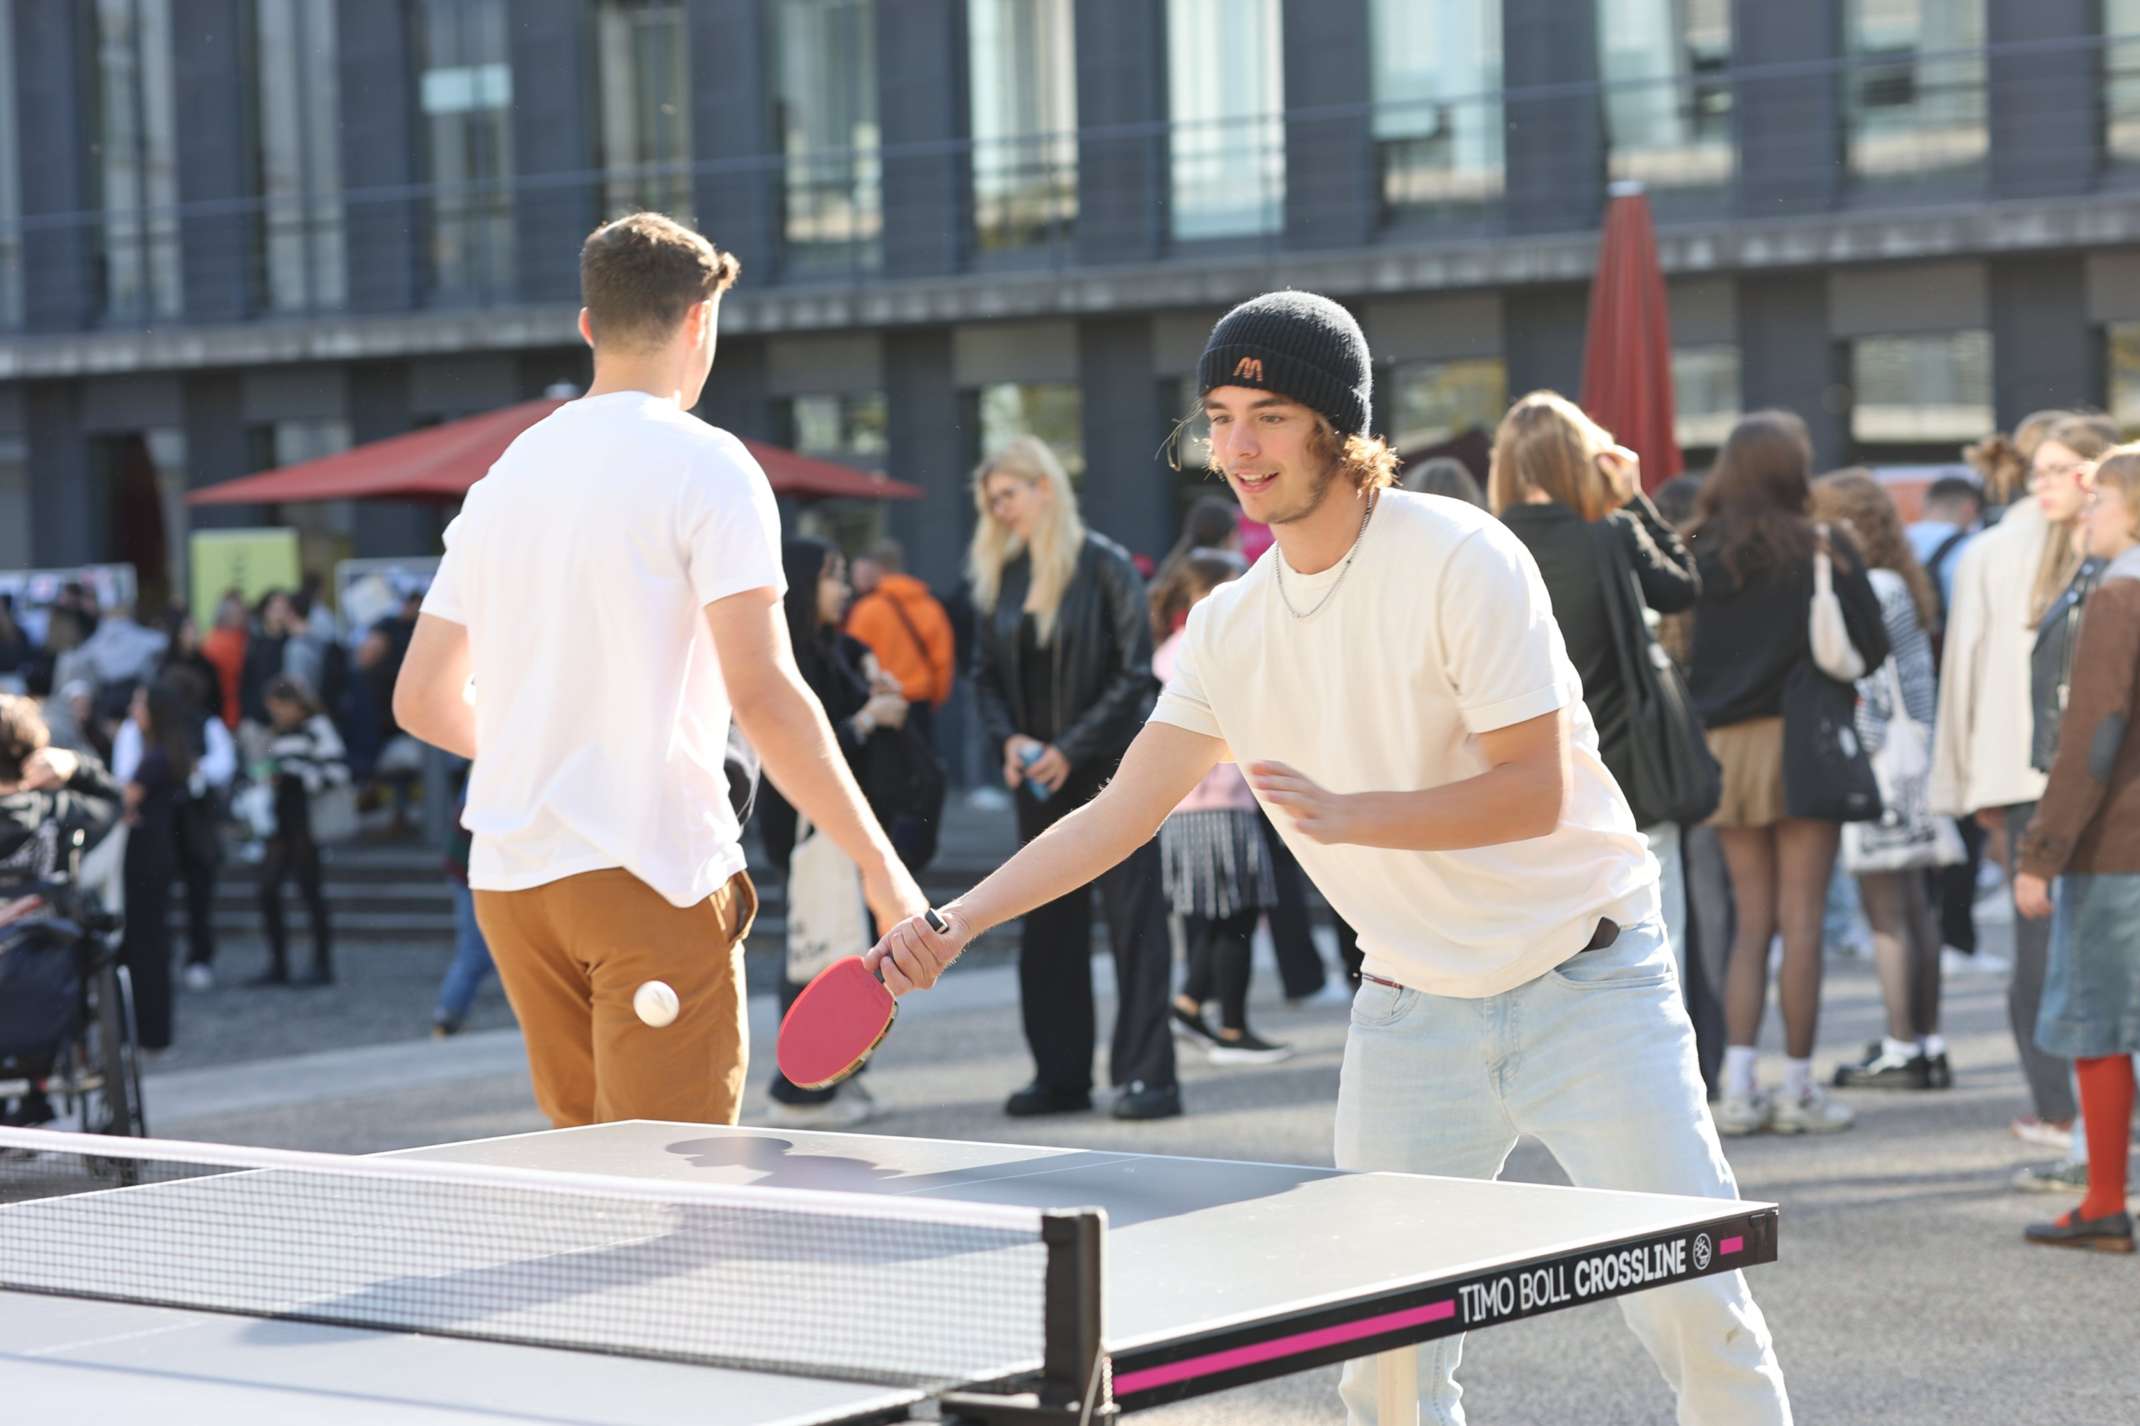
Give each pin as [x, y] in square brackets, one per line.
[1249, 369]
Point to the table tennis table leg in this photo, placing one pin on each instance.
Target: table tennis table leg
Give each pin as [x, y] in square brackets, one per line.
[1397, 1387]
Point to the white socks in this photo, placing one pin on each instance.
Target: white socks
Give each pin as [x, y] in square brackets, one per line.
[1901, 1049]
[1797, 1077]
[1739, 1071]
[1935, 1046]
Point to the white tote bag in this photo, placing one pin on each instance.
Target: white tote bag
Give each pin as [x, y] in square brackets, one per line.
[827, 915]
[1833, 653]
[1907, 836]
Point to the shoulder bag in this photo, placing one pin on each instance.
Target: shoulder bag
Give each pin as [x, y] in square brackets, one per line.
[1672, 777]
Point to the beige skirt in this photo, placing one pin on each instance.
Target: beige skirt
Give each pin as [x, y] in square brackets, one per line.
[1751, 754]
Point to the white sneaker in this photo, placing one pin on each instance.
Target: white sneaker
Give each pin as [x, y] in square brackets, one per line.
[199, 977]
[1740, 1114]
[852, 1106]
[1810, 1112]
[1335, 990]
[1249, 1049]
[1962, 963]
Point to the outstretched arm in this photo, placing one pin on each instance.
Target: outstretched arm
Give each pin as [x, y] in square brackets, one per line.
[1162, 766]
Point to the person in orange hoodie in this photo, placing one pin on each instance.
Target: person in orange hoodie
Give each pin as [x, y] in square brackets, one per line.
[905, 627]
[224, 647]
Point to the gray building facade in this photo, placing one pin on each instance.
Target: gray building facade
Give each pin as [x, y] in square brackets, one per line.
[235, 233]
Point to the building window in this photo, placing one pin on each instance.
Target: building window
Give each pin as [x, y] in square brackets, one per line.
[299, 156]
[16, 529]
[1435, 79]
[1705, 395]
[1914, 90]
[646, 107]
[1055, 412]
[1433, 401]
[134, 145]
[1667, 98]
[2121, 79]
[10, 185]
[1022, 84]
[1226, 101]
[849, 427]
[826, 98]
[465, 86]
[1931, 390]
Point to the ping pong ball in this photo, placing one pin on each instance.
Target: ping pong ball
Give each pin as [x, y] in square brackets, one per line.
[655, 1003]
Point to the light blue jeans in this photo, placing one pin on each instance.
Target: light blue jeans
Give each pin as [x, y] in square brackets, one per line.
[1596, 1060]
[471, 960]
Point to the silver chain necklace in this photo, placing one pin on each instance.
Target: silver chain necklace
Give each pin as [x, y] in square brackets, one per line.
[1343, 570]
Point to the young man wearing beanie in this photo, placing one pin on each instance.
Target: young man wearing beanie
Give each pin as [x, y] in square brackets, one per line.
[1391, 679]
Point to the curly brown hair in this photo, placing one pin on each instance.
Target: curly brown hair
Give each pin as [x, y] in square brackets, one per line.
[1854, 499]
[22, 734]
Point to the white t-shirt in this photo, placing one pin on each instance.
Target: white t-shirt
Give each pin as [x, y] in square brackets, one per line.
[580, 566]
[1442, 631]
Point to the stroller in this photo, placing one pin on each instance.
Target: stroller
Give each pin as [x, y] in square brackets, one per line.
[67, 1043]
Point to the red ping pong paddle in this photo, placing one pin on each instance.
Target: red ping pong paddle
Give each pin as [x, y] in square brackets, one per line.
[838, 1021]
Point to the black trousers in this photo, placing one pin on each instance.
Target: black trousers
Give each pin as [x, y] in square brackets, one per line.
[1300, 965]
[293, 855]
[1055, 962]
[197, 870]
[1218, 963]
[1954, 889]
[1711, 917]
[145, 945]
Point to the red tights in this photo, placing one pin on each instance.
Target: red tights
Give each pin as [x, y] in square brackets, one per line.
[2107, 1106]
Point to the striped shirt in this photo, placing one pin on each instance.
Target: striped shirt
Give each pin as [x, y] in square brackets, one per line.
[312, 752]
[1911, 655]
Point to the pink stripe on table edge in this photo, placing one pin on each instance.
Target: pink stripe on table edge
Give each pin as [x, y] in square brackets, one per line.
[1729, 1246]
[1238, 1357]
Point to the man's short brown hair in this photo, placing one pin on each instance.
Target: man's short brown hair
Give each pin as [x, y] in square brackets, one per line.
[640, 274]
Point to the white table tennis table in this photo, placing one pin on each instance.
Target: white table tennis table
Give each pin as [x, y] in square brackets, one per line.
[1205, 1275]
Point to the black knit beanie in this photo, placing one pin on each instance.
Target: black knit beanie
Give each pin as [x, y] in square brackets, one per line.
[1299, 345]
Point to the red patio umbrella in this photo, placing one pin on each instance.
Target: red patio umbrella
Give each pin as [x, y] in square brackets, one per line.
[1627, 353]
[441, 462]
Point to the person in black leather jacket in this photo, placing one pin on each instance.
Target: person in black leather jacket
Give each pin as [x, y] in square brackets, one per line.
[1063, 678]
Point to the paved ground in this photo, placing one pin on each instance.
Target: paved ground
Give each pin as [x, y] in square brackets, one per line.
[1904, 1294]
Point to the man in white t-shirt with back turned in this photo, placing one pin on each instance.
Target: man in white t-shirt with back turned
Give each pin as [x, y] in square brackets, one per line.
[1391, 680]
[609, 598]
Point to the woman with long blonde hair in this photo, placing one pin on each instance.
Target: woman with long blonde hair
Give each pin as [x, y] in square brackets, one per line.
[2004, 582]
[1063, 678]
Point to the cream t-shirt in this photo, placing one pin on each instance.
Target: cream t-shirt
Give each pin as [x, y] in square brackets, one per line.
[580, 566]
[1441, 631]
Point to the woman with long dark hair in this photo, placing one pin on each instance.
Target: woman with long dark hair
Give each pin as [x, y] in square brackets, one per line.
[1063, 677]
[155, 797]
[1755, 545]
[841, 672]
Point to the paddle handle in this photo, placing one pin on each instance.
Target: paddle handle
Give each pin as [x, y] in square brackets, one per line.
[936, 923]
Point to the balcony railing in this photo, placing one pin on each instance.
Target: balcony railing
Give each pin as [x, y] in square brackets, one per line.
[1884, 129]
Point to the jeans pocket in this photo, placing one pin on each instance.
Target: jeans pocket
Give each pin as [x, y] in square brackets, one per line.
[1640, 958]
[1377, 1004]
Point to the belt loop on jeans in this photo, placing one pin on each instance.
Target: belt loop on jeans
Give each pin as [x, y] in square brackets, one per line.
[1379, 980]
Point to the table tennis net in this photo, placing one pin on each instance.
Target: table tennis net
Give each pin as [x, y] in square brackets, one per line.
[912, 1293]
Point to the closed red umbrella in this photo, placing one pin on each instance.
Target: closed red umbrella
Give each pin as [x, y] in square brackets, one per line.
[1627, 352]
[441, 462]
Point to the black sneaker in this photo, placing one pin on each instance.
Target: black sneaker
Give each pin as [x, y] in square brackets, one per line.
[1037, 1098]
[2112, 1233]
[1938, 1073]
[1191, 1025]
[1249, 1049]
[1882, 1070]
[1139, 1100]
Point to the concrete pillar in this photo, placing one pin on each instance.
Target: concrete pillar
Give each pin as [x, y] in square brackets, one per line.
[388, 231]
[732, 137]
[1789, 359]
[51, 131]
[1129, 491]
[554, 134]
[68, 521]
[1121, 88]
[218, 237]
[2044, 350]
[736, 398]
[927, 193]
[2045, 102]
[1556, 138]
[378, 408]
[213, 418]
[1332, 195]
[930, 446]
[1542, 338]
[1789, 125]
